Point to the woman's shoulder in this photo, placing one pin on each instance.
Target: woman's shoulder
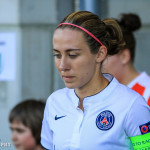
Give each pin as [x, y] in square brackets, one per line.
[128, 92]
[122, 90]
[118, 90]
[127, 98]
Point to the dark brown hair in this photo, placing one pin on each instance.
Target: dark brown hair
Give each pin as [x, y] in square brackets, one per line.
[129, 23]
[107, 31]
[30, 113]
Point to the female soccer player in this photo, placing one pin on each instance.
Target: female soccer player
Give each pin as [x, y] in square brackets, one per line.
[94, 111]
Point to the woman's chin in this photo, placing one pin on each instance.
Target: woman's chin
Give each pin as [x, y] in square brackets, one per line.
[70, 85]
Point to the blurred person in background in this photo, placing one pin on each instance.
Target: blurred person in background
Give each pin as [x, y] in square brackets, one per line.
[121, 65]
[26, 122]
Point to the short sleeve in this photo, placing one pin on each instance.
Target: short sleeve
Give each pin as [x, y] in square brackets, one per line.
[138, 114]
[46, 133]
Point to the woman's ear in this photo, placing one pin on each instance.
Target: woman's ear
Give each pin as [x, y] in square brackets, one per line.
[102, 53]
[125, 56]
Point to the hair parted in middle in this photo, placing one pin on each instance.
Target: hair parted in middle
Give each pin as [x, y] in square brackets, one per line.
[107, 31]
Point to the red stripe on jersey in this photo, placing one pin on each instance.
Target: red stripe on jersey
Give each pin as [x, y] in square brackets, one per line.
[139, 88]
[148, 102]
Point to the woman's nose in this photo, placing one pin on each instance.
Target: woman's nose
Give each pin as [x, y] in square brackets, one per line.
[64, 65]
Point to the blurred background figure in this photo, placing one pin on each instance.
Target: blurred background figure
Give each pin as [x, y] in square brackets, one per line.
[121, 65]
[26, 122]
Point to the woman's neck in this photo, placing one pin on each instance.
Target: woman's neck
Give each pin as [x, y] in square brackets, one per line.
[92, 87]
[129, 74]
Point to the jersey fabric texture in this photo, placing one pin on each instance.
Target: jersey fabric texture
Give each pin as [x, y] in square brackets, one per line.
[141, 84]
[110, 117]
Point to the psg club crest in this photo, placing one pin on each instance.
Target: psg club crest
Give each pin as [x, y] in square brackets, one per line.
[105, 120]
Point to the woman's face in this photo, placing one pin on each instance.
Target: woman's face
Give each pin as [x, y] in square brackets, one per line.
[22, 136]
[73, 59]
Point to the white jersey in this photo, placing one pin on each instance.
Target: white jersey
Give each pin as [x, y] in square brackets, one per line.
[141, 84]
[110, 117]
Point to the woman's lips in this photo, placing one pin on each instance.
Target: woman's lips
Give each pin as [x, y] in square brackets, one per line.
[67, 78]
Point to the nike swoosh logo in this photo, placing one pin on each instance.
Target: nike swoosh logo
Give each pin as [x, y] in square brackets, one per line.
[56, 118]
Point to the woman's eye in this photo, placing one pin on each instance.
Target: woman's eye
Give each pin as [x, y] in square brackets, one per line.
[57, 56]
[72, 56]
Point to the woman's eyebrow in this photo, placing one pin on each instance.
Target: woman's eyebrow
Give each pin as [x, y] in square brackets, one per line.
[68, 50]
[55, 50]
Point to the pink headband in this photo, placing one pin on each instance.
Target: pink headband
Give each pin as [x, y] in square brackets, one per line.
[89, 33]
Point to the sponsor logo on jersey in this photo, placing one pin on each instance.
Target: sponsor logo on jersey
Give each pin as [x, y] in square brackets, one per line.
[145, 128]
[105, 120]
[56, 118]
